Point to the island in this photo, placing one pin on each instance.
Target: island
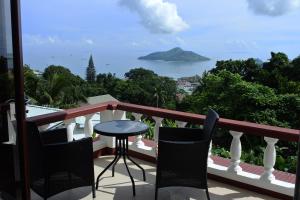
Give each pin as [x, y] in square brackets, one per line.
[175, 54]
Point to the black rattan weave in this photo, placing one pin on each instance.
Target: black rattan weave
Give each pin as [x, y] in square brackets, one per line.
[57, 165]
[182, 155]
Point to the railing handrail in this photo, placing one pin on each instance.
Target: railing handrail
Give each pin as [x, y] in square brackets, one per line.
[72, 113]
[235, 125]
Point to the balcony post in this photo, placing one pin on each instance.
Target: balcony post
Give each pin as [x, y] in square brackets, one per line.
[70, 125]
[158, 123]
[180, 124]
[88, 126]
[138, 139]
[119, 115]
[235, 152]
[106, 116]
[269, 159]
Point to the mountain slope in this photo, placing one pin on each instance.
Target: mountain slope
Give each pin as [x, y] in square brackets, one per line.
[175, 54]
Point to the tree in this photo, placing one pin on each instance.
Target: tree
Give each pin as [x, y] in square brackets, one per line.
[91, 71]
[248, 69]
[275, 71]
[55, 69]
[234, 98]
[155, 90]
[31, 82]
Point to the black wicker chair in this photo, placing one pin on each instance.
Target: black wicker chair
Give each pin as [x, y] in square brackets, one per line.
[182, 155]
[57, 165]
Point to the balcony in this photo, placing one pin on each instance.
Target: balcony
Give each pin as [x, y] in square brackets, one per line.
[223, 173]
[119, 187]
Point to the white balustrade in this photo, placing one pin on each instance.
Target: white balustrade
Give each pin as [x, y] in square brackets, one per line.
[105, 116]
[70, 125]
[158, 123]
[88, 125]
[209, 159]
[180, 124]
[138, 139]
[269, 160]
[235, 152]
[119, 115]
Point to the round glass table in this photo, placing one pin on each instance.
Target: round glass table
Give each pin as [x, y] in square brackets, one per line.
[121, 129]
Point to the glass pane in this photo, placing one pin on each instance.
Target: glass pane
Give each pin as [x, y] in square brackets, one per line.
[7, 132]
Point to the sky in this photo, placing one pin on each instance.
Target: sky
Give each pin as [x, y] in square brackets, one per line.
[69, 31]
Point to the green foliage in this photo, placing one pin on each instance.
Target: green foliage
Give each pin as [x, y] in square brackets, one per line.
[147, 88]
[175, 54]
[248, 69]
[245, 90]
[220, 151]
[150, 134]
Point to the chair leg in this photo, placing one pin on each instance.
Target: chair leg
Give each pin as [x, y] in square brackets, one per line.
[156, 193]
[93, 191]
[207, 194]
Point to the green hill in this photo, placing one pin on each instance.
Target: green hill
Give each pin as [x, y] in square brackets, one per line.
[175, 54]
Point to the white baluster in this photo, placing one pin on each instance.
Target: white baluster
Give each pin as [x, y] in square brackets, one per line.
[180, 124]
[119, 115]
[88, 126]
[138, 139]
[269, 160]
[158, 123]
[209, 160]
[105, 116]
[70, 125]
[235, 152]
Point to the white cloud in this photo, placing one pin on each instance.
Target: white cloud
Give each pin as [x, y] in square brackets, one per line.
[89, 41]
[51, 39]
[273, 7]
[40, 40]
[158, 16]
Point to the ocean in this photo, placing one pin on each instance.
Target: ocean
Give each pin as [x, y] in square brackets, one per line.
[118, 64]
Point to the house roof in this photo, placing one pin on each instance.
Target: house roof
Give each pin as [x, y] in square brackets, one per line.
[100, 99]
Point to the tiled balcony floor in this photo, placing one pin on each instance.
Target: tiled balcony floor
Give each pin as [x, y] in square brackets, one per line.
[119, 187]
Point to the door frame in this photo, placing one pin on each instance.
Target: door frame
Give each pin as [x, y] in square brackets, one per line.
[23, 190]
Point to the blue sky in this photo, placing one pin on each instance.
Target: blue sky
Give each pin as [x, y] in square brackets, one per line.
[66, 30]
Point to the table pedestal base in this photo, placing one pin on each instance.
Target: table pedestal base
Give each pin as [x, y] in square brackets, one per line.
[121, 151]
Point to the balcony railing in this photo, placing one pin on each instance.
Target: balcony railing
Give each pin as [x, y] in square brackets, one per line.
[114, 110]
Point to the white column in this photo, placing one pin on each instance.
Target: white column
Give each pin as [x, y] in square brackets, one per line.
[138, 139]
[119, 115]
[70, 125]
[235, 152]
[158, 123]
[88, 126]
[106, 116]
[180, 124]
[269, 160]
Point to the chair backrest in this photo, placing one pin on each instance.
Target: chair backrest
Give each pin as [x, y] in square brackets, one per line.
[35, 152]
[182, 154]
[210, 123]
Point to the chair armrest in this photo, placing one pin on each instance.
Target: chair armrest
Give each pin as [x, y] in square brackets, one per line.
[54, 136]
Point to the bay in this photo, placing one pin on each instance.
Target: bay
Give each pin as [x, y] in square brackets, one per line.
[118, 64]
